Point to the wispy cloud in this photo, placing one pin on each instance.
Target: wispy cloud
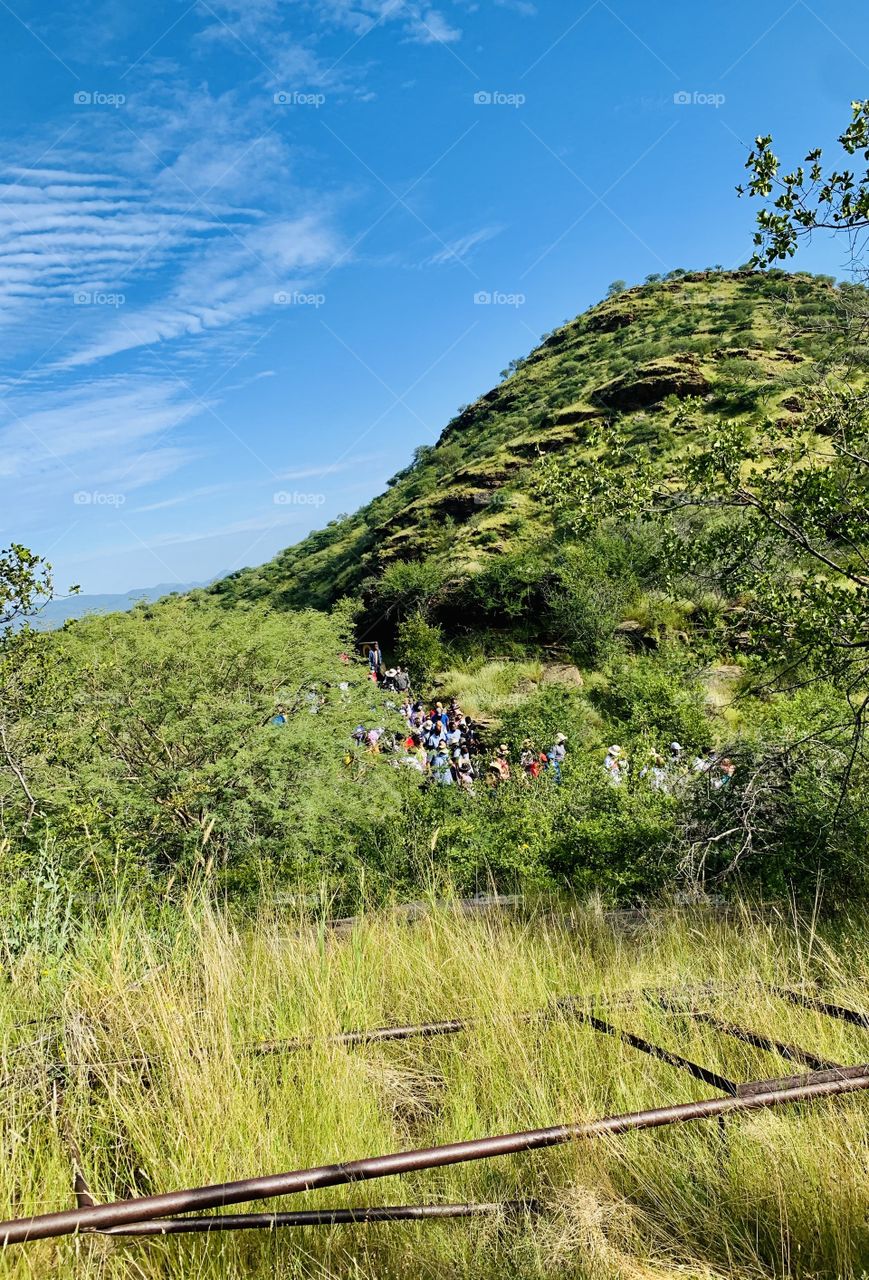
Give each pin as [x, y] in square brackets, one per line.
[231, 280]
[525, 7]
[114, 431]
[247, 23]
[192, 217]
[182, 499]
[459, 249]
[332, 468]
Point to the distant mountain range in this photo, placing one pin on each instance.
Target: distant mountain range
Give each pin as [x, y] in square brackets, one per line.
[56, 612]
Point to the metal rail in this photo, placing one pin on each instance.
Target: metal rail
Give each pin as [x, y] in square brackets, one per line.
[571, 1006]
[664, 1055]
[821, 1006]
[790, 1052]
[768, 1094]
[321, 1218]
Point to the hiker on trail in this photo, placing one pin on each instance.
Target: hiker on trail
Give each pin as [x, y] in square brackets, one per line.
[556, 755]
[388, 684]
[431, 736]
[359, 734]
[656, 772]
[703, 762]
[439, 714]
[499, 768]
[531, 761]
[416, 757]
[726, 770]
[375, 658]
[616, 766]
[440, 767]
[402, 680]
[466, 778]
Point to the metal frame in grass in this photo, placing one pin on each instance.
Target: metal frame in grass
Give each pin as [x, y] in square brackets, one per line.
[156, 1214]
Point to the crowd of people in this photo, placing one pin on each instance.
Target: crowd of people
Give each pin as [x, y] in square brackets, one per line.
[444, 744]
[669, 772]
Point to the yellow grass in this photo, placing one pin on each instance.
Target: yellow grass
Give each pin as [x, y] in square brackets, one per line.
[781, 1192]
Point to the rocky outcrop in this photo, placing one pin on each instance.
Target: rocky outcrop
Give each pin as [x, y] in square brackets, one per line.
[607, 319]
[648, 384]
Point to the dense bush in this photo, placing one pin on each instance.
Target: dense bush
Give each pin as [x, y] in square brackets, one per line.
[160, 750]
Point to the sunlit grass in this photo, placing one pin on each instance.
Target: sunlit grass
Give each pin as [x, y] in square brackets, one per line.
[782, 1192]
[490, 687]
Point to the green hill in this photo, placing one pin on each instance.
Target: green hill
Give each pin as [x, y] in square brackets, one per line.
[744, 344]
[652, 532]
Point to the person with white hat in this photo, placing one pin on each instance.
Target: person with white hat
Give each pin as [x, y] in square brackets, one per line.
[616, 765]
[556, 755]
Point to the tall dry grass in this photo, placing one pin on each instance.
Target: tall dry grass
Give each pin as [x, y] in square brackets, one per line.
[782, 1192]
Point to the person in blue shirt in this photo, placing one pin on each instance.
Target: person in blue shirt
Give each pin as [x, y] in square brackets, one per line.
[556, 754]
[440, 767]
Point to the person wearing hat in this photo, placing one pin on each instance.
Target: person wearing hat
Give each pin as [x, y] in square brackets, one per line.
[501, 764]
[676, 763]
[616, 765]
[529, 760]
[439, 766]
[465, 777]
[556, 754]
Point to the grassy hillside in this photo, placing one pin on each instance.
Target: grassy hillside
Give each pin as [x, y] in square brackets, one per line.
[505, 569]
[745, 344]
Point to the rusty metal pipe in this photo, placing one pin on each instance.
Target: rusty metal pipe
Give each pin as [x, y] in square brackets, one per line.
[320, 1218]
[144, 1208]
[568, 1005]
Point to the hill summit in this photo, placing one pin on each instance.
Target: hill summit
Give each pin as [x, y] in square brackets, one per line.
[736, 344]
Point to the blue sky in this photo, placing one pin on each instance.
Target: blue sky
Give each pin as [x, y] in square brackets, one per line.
[242, 241]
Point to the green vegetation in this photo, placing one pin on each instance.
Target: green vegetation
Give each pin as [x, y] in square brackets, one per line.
[748, 344]
[654, 530]
[781, 1193]
[651, 538]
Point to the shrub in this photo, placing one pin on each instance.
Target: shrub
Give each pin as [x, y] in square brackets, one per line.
[420, 649]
